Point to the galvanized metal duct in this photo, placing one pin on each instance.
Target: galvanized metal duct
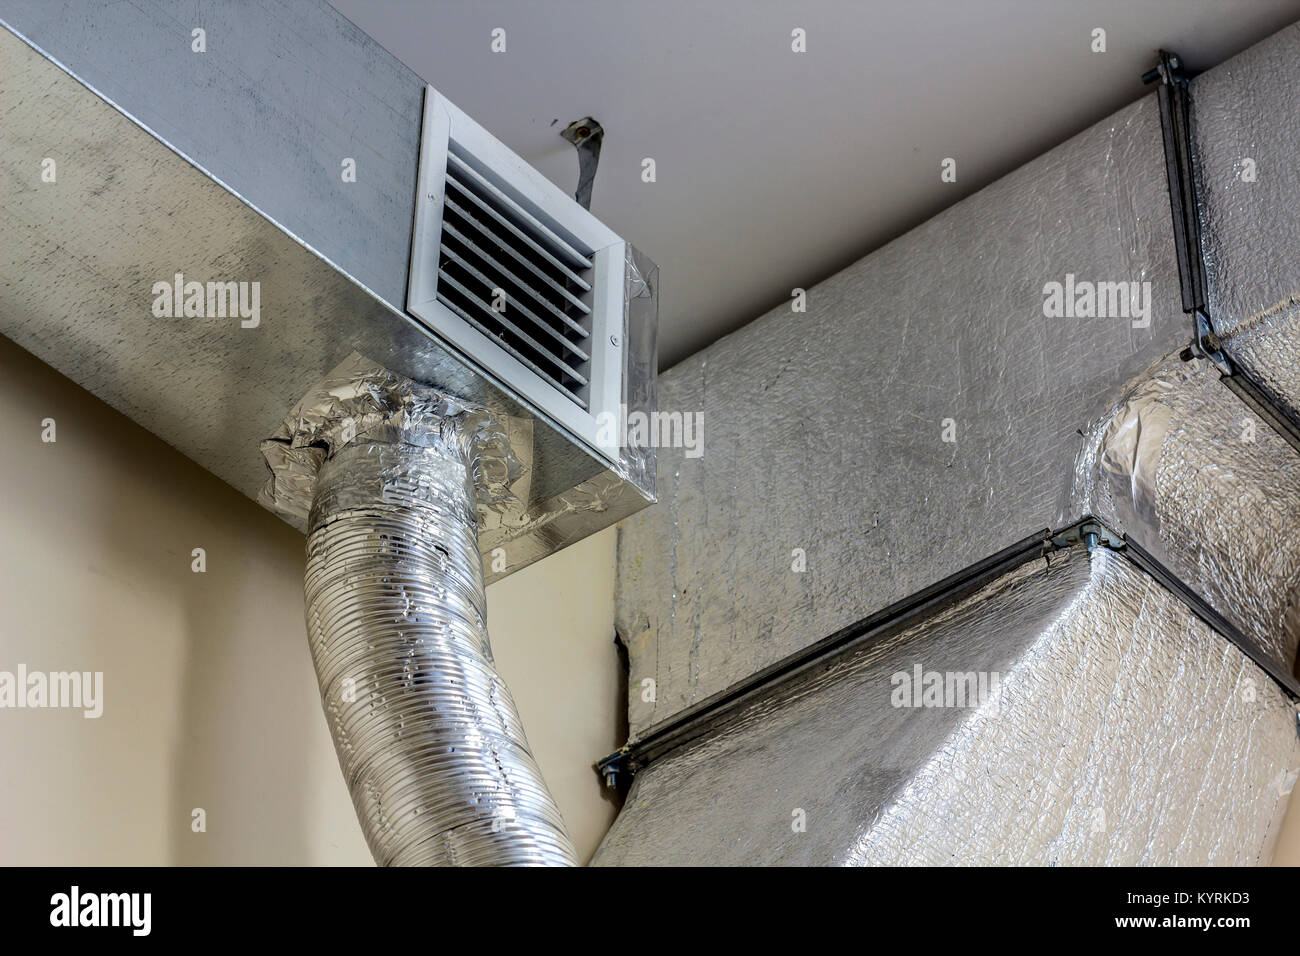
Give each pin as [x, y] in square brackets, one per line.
[156, 195]
[428, 737]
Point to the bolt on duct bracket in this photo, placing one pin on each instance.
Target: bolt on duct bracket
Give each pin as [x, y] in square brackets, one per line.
[616, 769]
[1207, 344]
[1090, 532]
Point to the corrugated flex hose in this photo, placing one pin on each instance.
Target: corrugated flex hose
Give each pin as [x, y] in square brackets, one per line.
[427, 734]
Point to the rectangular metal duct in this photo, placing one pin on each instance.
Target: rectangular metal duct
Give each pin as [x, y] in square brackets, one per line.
[224, 165]
[825, 430]
[1193, 768]
[929, 411]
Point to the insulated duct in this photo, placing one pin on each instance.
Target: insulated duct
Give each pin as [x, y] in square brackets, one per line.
[1145, 711]
[939, 334]
[1246, 132]
[1103, 724]
[1185, 469]
[427, 735]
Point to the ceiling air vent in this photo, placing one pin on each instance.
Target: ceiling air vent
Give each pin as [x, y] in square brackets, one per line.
[515, 275]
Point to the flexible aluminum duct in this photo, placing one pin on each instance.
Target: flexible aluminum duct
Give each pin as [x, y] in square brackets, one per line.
[428, 737]
[427, 734]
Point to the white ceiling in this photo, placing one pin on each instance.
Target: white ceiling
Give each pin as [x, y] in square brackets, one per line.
[776, 169]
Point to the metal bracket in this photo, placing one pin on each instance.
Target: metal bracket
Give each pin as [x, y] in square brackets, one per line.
[1089, 532]
[615, 769]
[1175, 100]
[1207, 343]
[1176, 125]
[714, 712]
[586, 135]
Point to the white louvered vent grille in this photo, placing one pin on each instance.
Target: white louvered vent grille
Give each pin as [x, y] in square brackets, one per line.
[526, 285]
[512, 277]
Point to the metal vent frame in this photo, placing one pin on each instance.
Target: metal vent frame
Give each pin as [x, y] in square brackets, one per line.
[446, 128]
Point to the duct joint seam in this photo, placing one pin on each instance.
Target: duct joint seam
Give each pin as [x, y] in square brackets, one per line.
[1174, 94]
[710, 715]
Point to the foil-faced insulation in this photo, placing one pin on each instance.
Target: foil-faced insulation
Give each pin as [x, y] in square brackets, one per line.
[921, 414]
[1188, 471]
[1102, 723]
[1125, 730]
[427, 734]
[1246, 130]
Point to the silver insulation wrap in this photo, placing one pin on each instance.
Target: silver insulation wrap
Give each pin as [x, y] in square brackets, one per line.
[1123, 729]
[1119, 730]
[1246, 124]
[1188, 471]
[825, 430]
[427, 734]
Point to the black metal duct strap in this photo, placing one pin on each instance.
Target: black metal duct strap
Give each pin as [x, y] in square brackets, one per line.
[709, 715]
[1174, 96]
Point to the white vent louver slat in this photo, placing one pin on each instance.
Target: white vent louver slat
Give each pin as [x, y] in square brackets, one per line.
[516, 274]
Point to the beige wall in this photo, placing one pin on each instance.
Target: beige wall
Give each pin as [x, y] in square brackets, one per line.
[1288, 844]
[210, 699]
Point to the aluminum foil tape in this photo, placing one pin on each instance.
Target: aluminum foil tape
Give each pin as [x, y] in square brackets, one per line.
[824, 440]
[1246, 127]
[427, 734]
[640, 360]
[360, 400]
[1121, 731]
[1183, 467]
